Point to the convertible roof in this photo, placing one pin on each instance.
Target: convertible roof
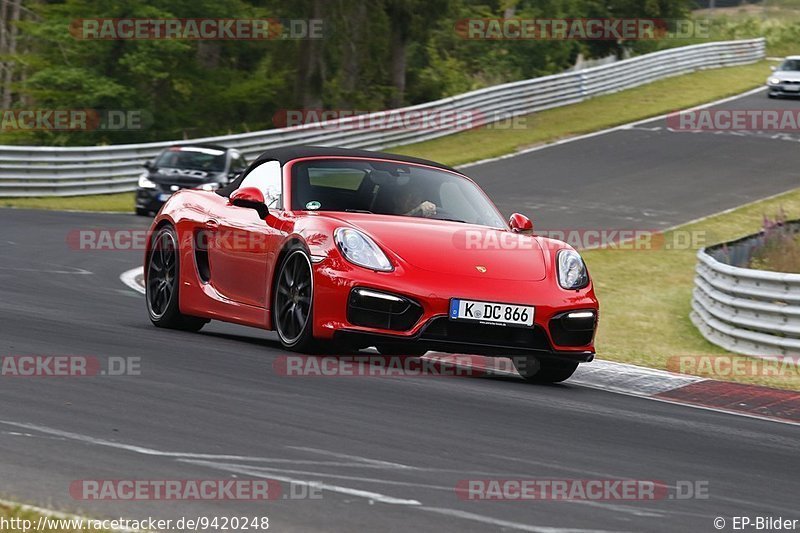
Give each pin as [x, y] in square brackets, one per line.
[289, 153]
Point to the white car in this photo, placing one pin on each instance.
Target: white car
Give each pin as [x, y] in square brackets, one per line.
[785, 80]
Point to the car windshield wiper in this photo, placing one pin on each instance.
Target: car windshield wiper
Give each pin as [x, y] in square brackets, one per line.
[358, 211]
[451, 220]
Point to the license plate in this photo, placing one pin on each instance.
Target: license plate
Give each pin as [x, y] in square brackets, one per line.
[164, 197]
[491, 313]
[791, 88]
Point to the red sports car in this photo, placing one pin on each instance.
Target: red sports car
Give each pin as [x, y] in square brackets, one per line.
[339, 249]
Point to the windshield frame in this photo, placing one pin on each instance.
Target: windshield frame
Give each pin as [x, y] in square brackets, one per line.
[288, 177]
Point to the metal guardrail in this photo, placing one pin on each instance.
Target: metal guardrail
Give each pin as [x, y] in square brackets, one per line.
[48, 171]
[753, 312]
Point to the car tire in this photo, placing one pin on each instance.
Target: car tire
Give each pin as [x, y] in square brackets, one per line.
[535, 370]
[293, 302]
[163, 284]
[142, 212]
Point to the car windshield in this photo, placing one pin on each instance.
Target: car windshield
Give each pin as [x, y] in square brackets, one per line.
[791, 64]
[390, 188]
[194, 158]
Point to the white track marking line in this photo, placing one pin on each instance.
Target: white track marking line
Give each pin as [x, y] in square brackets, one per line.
[374, 496]
[74, 271]
[642, 512]
[608, 130]
[260, 473]
[726, 211]
[120, 446]
[268, 470]
[365, 460]
[129, 279]
[363, 479]
[269, 474]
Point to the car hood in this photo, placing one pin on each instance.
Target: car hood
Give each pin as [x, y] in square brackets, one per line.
[454, 248]
[786, 75]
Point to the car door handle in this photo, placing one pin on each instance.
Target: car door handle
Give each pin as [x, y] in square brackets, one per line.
[212, 224]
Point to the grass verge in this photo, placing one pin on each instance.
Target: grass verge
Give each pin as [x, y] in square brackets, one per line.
[18, 519]
[602, 112]
[607, 111]
[645, 296]
[120, 202]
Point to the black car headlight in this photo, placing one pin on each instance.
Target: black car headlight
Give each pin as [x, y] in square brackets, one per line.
[572, 273]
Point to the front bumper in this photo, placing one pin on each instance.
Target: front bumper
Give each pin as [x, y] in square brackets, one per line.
[437, 336]
[419, 315]
[784, 89]
[150, 199]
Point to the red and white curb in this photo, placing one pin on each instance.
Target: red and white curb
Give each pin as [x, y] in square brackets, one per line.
[693, 391]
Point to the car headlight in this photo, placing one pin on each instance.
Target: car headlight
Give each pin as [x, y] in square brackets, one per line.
[774, 81]
[572, 273]
[359, 249]
[145, 183]
[209, 186]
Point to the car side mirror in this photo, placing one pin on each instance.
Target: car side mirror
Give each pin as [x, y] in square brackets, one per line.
[521, 224]
[148, 165]
[251, 198]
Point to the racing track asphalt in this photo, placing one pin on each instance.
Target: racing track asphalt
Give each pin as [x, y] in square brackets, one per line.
[389, 450]
[645, 176]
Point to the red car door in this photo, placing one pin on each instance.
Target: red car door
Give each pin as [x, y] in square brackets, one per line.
[241, 253]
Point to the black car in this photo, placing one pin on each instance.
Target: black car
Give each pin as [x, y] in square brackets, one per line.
[197, 166]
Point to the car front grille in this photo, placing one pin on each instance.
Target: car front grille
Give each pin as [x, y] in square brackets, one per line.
[378, 309]
[449, 331]
[567, 331]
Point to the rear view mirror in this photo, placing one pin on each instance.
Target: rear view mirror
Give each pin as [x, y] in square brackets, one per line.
[521, 224]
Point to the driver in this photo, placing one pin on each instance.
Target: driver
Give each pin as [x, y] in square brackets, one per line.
[411, 202]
